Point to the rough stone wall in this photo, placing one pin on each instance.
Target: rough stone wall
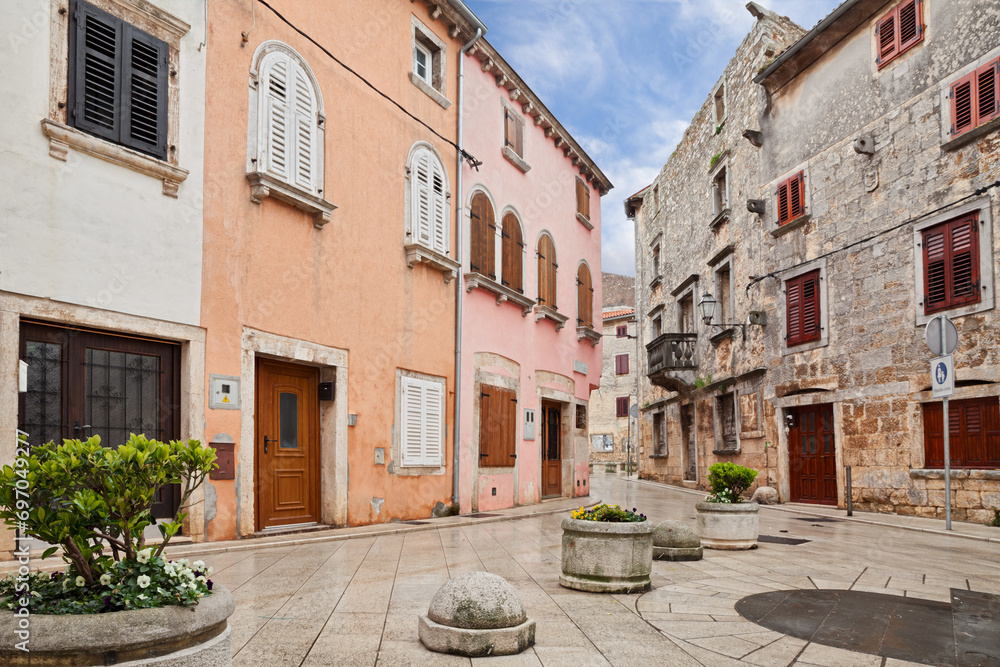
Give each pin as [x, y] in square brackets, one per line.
[603, 418]
[617, 290]
[681, 222]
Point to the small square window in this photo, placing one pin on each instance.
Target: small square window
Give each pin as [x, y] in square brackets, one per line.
[621, 406]
[422, 62]
[621, 364]
[622, 331]
[430, 60]
[898, 31]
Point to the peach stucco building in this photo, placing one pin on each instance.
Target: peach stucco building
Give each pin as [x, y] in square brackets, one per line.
[530, 352]
[329, 293]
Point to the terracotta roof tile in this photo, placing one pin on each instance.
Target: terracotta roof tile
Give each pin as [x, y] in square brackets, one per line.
[612, 314]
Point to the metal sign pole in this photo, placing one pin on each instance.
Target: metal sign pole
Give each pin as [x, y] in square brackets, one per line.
[947, 449]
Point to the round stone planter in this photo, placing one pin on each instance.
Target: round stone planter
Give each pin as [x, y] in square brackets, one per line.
[173, 636]
[601, 557]
[728, 525]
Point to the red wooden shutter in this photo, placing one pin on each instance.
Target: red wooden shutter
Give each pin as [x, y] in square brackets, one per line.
[910, 24]
[783, 203]
[963, 113]
[973, 433]
[622, 331]
[886, 38]
[964, 261]
[935, 284]
[987, 92]
[951, 264]
[793, 312]
[991, 432]
[802, 309]
[796, 203]
[621, 406]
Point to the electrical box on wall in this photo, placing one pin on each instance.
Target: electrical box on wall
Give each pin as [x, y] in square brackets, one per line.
[529, 424]
[225, 457]
[224, 392]
[327, 391]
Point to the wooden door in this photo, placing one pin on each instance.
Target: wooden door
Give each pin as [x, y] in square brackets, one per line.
[551, 450]
[83, 383]
[812, 455]
[287, 444]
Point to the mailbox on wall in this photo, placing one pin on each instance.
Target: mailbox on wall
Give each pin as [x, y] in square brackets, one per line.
[225, 458]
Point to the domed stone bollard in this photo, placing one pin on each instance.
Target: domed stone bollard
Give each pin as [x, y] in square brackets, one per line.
[477, 614]
[675, 540]
[765, 495]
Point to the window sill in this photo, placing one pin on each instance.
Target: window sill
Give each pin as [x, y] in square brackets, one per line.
[515, 159]
[722, 217]
[547, 313]
[658, 456]
[789, 226]
[804, 347]
[263, 185]
[956, 473]
[657, 280]
[985, 303]
[589, 333]
[725, 452]
[430, 91]
[417, 470]
[416, 253]
[63, 137]
[502, 292]
[583, 220]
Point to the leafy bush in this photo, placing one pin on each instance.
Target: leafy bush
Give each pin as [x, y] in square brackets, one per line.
[94, 501]
[995, 521]
[729, 481]
[608, 513]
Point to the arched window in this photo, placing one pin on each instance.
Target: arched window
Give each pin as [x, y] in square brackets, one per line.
[584, 297]
[512, 254]
[428, 206]
[483, 260]
[547, 272]
[289, 120]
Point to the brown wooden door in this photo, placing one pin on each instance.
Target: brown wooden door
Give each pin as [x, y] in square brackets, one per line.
[551, 450]
[83, 383]
[287, 444]
[812, 455]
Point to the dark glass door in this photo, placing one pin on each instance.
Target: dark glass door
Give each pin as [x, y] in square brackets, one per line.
[83, 383]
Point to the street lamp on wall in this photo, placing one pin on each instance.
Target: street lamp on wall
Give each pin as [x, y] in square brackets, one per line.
[708, 307]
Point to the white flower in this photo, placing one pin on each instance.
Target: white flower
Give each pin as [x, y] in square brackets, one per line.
[209, 571]
[189, 574]
[105, 580]
[140, 596]
[142, 581]
[183, 562]
[198, 565]
[168, 568]
[203, 580]
[81, 582]
[48, 575]
[65, 583]
[143, 556]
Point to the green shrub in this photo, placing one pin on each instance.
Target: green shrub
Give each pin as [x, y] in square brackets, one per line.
[608, 513]
[995, 521]
[94, 502]
[729, 481]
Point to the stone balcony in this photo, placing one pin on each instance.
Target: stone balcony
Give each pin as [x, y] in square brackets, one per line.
[673, 359]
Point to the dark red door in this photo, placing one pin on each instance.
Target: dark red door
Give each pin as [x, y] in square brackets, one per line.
[812, 455]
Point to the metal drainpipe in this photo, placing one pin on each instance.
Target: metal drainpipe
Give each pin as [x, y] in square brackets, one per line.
[460, 283]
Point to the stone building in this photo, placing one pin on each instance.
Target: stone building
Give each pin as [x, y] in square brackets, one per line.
[875, 158]
[610, 427]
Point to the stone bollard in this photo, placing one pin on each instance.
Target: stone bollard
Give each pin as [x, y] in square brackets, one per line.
[675, 540]
[477, 614]
[765, 495]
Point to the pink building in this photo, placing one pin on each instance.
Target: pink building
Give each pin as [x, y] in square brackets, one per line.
[531, 248]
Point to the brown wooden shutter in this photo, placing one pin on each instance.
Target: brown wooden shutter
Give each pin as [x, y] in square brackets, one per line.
[513, 132]
[509, 431]
[547, 272]
[584, 297]
[497, 427]
[582, 199]
[621, 406]
[519, 136]
[512, 254]
[973, 433]
[483, 233]
[963, 114]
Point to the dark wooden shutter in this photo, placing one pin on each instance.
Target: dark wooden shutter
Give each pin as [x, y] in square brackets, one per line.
[802, 309]
[483, 233]
[144, 93]
[511, 254]
[582, 199]
[584, 297]
[621, 406]
[497, 427]
[951, 264]
[973, 433]
[547, 272]
[622, 331]
[513, 132]
[621, 364]
[95, 87]
[962, 110]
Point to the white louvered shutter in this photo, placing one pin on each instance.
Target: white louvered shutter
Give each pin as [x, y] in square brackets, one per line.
[422, 204]
[277, 136]
[412, 413]
[305, 132]
[433, 423]
[439, 210]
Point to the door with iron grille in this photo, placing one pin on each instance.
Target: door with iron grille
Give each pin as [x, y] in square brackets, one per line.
[83, 383]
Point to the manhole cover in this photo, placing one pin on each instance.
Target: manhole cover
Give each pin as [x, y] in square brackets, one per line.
[815, 520]
[774, 539]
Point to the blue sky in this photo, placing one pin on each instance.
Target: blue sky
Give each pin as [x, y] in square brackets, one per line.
[625, 77]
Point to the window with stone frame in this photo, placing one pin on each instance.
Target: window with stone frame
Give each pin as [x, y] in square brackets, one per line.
[720, 191]
[621, 331]
[482, 239]
[802, 309]
[685, 314]
[497, 427]
[659, 434]
[898, 31]
[430, 61]
[790, 199]
[973, 433]
[724, 293]
[951, 264]
[622, 406]
[657, 326]
[655, 261]
[621, 364]
[975, 98]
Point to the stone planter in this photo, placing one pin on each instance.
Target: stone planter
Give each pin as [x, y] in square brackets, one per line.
[173, 636]
[601, 557]
[728, 525]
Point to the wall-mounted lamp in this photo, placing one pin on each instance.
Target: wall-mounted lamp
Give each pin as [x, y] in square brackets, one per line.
[756, 206]
[708, 306]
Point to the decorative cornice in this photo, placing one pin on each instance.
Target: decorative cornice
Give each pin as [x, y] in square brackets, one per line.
[545, 312]
[589, 333]
[502, 292]
[416, 253]
[160, 18]
[264, 185]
